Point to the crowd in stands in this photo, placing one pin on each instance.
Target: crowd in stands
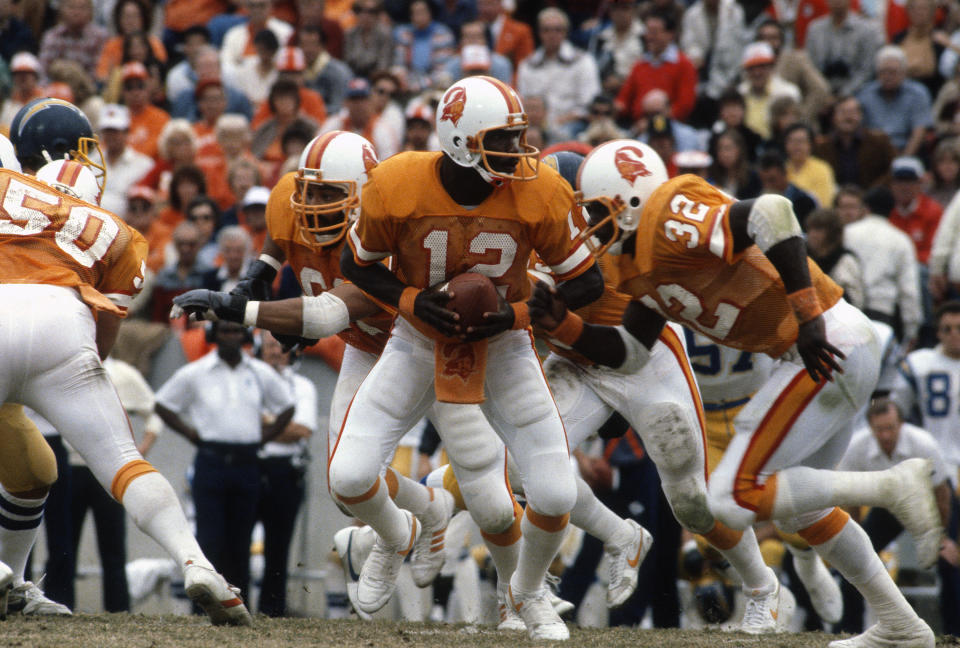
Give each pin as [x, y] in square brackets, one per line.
[850, 108]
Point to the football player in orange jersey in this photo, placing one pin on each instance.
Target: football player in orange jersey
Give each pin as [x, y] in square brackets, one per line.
[68, 271]
[737, 271]
[482, 205]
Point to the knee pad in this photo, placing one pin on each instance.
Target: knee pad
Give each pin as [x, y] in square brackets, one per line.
[552, 489]
[673, 440]
[347, 479]
[26, 461]
[467, 437]
[688, 500]
[535, 406]
[489, 502]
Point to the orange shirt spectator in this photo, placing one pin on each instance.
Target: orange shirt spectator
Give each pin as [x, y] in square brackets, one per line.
[146, 120]
[290, 65]
[181, 14]
[505, 35]
[129, 16]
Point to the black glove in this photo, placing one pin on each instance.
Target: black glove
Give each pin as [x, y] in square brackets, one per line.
[206, 304]
[430, 306]
[294, 342]
[547, 308]
[494, 323]
[256, 283]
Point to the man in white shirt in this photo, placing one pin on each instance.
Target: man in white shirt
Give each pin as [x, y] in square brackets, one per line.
[217, 402]
[238, 41]
[125, 166]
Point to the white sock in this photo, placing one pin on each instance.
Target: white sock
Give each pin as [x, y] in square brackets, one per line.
[851, 552]
[19, 525]
[385, 517]
[591, 515]
[801, 489]
[411, 495]
[538, 547]
[747, 561]
[154, 508]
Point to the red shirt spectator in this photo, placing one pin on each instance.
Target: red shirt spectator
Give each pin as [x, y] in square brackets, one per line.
[914, 212]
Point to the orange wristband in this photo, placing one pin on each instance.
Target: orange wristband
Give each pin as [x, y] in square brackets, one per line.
[407, 298]
[569, 329]
[805, 304]
[521, 315]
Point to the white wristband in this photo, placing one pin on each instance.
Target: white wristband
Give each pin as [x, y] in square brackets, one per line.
[324, 315]
[250, 313]
[771, 220]
[270, 261]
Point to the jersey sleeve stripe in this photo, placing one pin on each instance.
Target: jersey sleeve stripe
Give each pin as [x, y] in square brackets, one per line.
[573, 262]
[362, 255]
[718, 234]
[120, 299]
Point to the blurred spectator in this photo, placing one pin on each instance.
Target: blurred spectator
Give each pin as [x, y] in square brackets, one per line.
[712, 36]
[235, 250]
[284, 103]
[695, 162]
[423, 46]
[659, 135]
[368, 46]
[536, 109]
[731, 170]
[146, 120]
[564, 75]
[25, 69]
[186, 184]
[618, 45]
[183, 274]
[253, 215]
[82, 85]
[887, 257]
[733, 110]
[419, 135]
[505, 35]
[772, 169]
[922, 51]
[311, 14]
[181, 16]
[357, 116]
[662, 66]
[242, 174]
[140, 214]
[182, 76]
[207, 66]
[782, 113]
[914, 211]
[125, 166]
[212, 104]
[842, 45]
[475, 56]
[898, 106]
[74, 37]
[946, 107]
[945, 171]
[256, 73]
[807, 171]
[384, 89]
[794, 66]
[825, 246]
[15, 34]
[129, 16]
[238, 41]
[601, 125]
[233, 137]
[204, 213]
[762, 87]
[455, 13]
[135, 46]
[686, 138]
[293, 140]
[322, 72]
[857, 155]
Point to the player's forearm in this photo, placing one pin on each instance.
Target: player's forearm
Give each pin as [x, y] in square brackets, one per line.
[582, 289]
[789, 257]
[374, 279]
[601, 344]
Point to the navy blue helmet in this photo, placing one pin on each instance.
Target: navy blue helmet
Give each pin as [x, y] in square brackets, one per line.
[567, 163]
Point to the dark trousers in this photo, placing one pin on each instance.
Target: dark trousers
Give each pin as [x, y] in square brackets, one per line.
[111, 527]
[639, 497]
[226, 487]
[61, 560]
[282, 491]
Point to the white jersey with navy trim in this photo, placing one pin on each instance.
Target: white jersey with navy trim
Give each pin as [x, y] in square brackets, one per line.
[727, 377]
[929, 384]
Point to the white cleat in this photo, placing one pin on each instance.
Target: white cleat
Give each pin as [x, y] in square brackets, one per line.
[916, 635]
[820, 585]
[538, 615]
[428, 554]
[624, 564]
[510, 621]
[562, 606]
[913, 504]
[353, 544]
[6, 584]
[378, 578]
[29, 600]
[768, 611]
[220, 600]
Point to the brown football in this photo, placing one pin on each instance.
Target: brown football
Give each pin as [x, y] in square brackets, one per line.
[473, 295]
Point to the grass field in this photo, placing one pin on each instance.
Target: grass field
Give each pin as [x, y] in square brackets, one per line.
[135, 631]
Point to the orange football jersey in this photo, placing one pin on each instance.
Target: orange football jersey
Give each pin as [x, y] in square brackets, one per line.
[408, 214]
[685, 269]
[47, 237]
[318, 268]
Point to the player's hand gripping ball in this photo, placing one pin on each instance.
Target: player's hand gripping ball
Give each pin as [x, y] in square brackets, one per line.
[473, 295]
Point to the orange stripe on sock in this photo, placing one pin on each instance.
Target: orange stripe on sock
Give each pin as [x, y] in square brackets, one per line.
[822, 530]
[765, 441]
[723, 537]
[393, 484]
[511, 535]
[549, 523]
[127, 474]
[413, 538]
[361, 498]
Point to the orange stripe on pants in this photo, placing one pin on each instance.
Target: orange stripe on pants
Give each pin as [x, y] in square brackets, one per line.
[673, 342]
[765, 441]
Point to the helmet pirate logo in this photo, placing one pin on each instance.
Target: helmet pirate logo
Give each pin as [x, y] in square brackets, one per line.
[629, 163]
[453, 104]
[458, 360]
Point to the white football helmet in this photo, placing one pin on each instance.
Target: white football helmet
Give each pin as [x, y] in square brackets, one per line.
[71, 178]
[614, 183]
[474, 106]
[338, 159]
[8, 157]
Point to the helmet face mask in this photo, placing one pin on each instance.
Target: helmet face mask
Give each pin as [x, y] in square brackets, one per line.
[603, 233]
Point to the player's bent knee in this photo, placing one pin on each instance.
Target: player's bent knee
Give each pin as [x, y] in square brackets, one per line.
[673, 440]
[725, 508]
[490, 505]
[555, 496]
[688, 500]
[348, 482]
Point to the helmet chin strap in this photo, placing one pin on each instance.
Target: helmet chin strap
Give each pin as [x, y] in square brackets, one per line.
[496, 181]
